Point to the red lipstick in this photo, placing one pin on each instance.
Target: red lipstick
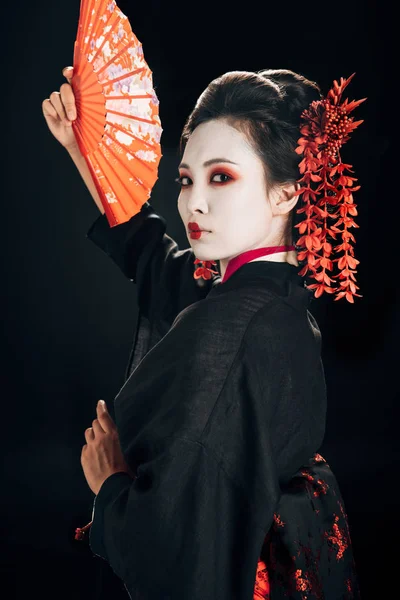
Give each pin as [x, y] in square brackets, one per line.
[195, 235]
[196, 231]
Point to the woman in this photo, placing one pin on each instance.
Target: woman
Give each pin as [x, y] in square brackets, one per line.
[216, 490]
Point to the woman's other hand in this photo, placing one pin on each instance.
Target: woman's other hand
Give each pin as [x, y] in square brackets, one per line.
[102, 455]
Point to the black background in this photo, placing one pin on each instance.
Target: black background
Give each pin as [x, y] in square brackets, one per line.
[69, 314]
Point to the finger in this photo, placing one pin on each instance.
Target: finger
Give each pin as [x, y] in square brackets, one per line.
[105, 419]
[68, 100]
[49, 111]
[89, 434]
[97, 427]
[55, 99]
[68, 72]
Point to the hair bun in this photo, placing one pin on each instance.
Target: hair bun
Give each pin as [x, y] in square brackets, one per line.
[294, 87]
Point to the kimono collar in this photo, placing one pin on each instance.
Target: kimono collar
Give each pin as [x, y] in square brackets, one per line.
[235, 263]
[280, 278]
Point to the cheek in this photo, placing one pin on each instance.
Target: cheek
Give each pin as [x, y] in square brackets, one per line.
[249, 222]
[180, 206]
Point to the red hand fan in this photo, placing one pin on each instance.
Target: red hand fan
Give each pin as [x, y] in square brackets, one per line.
[117, 128]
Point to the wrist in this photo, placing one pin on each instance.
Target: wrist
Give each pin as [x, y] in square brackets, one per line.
[74, 151]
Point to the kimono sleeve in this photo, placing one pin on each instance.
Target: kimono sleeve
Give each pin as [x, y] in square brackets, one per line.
[182, 529]
[151, 259]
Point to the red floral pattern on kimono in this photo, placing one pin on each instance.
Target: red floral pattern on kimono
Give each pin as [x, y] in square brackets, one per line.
[307, 553]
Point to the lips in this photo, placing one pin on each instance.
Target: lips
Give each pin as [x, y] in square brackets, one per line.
[195, 235]
[194, 227]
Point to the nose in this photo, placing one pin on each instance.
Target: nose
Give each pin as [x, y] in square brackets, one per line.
[196, 201]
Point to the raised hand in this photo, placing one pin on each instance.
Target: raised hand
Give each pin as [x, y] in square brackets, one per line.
[59, 110]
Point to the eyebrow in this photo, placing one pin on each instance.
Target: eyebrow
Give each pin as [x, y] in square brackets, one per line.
[209, 162]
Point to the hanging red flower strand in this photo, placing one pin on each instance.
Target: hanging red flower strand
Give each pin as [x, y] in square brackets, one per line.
[328, 193]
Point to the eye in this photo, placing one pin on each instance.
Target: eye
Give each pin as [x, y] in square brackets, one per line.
[222, 175]
[179, 180]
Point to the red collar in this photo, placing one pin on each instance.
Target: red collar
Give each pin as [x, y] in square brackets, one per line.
[244, 257]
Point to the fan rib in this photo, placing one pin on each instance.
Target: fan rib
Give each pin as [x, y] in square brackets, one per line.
[100, 24]
[121, 77]
[135, 137]
[93, 112]
[93, 84]
[103, 197]
[93, 138]
[95, 122]
[115, 112]
[127, 97]
[117, 177]
[96, 125]
[82, 140]
[106, 38]
[92, 94]
[143, 162]
[114, 58]
[89, 72]
[92, 103]
[85, 29]
[90, 115]
[83, 18]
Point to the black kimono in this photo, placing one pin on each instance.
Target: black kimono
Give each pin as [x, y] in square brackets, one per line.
[221, 417]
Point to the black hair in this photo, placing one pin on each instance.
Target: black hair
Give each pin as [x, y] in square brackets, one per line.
[266, 106]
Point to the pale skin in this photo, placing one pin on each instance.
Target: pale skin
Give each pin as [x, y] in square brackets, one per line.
[229, 200]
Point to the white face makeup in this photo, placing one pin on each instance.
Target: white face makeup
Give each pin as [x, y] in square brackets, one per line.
[229, 200]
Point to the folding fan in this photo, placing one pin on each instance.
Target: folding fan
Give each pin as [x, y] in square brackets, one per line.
[117, 128]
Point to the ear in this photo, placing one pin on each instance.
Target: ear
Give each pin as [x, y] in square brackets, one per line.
[284, 198]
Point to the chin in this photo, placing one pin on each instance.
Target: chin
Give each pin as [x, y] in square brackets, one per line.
[205, 251]
[203, 255]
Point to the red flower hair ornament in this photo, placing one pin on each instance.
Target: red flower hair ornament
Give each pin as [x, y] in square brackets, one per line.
[327, 194]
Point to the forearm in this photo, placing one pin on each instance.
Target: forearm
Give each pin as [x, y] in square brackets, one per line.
[83, 169]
